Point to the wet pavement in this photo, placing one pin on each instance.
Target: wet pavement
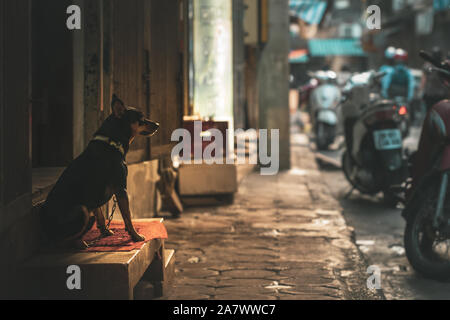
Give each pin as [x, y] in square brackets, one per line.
[284, 237]
[379, 234]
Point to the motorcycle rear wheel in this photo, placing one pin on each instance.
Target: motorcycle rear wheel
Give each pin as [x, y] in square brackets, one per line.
[324, 135]
[422, 241]
[347, 167]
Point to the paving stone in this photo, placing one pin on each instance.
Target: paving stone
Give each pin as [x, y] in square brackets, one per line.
[251, 291]
[244, 283]
[192, 289]
[248, 274]
[197, 272]
[187, 281]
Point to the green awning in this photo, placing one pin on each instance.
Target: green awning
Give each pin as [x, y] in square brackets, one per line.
[335, 47]
[441, 5]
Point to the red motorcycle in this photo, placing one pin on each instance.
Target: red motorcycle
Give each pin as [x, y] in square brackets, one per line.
[427, 207]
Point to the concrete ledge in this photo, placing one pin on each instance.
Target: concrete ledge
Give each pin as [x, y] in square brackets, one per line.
[104, 275]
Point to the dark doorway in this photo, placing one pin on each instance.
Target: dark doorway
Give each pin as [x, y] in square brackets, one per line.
[52, 85]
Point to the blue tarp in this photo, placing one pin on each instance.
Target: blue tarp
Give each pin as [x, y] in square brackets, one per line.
[440, 5]
[310, 11]
[335, 47]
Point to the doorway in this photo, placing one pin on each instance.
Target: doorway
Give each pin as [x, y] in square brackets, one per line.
[52, 85]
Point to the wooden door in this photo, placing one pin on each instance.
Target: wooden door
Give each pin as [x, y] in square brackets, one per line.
[131, 37]
[166, 72]
[147, 68]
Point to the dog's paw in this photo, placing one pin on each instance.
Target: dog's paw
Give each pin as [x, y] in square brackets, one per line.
[78, 244]
[136, 237]
[106, 232]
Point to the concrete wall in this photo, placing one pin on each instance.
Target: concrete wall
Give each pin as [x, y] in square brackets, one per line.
[142, 178]
[273, 77]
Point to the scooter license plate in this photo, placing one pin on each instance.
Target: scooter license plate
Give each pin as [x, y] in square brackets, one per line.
[387, 139]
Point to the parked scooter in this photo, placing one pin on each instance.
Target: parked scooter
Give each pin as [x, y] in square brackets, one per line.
[373, 160]
[427, 208]
[323, 101]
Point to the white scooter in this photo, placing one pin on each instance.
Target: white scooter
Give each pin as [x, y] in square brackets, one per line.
[323, 102]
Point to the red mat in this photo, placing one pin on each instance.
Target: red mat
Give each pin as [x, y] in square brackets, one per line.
[120, 240]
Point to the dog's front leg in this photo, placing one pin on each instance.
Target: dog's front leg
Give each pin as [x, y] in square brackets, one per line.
[101, 223]
[124, 206]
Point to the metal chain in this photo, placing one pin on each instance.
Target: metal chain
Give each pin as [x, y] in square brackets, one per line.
[110, 217]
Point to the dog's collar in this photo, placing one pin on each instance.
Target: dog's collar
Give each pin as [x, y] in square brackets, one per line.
[117, 145]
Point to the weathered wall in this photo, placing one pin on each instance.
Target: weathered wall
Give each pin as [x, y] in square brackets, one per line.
[273, 77]
[18, 235]
[93, 77]
[78, 88]
[251, 87]
[239, 111]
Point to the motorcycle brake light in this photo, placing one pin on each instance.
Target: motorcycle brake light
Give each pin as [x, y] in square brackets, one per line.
[402, 111]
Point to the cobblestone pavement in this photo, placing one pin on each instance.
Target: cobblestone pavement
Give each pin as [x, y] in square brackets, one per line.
[284, 237]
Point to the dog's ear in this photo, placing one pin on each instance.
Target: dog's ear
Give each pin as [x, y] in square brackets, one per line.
[117, 106]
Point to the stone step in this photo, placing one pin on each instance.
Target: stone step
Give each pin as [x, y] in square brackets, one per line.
[153, 284]
[104, 275]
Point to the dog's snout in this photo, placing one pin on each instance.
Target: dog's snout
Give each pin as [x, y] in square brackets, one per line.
[150, 128]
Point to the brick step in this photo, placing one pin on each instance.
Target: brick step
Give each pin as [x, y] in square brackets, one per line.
[104, 275]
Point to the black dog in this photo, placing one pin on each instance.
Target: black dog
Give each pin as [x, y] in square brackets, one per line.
[94, 177]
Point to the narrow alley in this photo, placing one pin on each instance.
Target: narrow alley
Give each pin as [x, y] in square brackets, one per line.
[283, 238]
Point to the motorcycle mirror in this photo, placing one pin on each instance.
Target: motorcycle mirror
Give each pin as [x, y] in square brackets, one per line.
[443, 72]
[428, 57]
